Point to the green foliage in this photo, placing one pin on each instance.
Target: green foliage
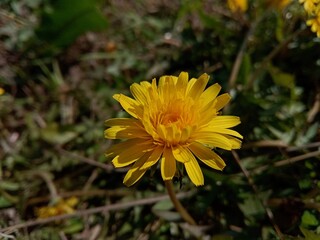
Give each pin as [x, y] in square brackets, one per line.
[64, 21]
[62, 61]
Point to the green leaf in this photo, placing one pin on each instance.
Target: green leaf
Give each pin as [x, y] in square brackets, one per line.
[308, 219]
[309, 235]
[164, 205]
[4, 203]
[281, 78]
[7, 185]
[251, 206]
[53, 134]
[73, 226]
[70, 19]
[245, 69]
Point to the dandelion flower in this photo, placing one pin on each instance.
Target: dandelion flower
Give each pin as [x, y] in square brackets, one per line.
[175, 122]
[309, 5]
[238, 5]
[62, 206]
[314, 23]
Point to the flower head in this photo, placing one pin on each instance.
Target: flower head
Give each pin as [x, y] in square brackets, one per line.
[61, 206]
[309, 5]
[314, 23]
[238, 5]
[312, 8]
[176, 121]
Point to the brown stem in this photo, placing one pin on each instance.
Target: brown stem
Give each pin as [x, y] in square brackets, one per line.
[183, 212]
[85, 212]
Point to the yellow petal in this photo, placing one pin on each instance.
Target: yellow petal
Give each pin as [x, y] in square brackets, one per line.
[207, 156]
[222, 100]
[214, 140]
[148, 126]
[185, 134]
[182, 82]
[120, 147]
[135, 172]
[132, 154]
[198, 87]
[166, 87]
[154, 158]
[122, 122]
[124, 132]
[139, 93]
[190, 84]
[209, 94]
[208, 113]
[222, 131]
[224, 121]
[130, 105]
[146, 85]
[194, 172]
[168, 164]
[161, 130]
[235, 143]
[182, 154]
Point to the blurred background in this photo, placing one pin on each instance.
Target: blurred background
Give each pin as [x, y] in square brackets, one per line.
[60, 64]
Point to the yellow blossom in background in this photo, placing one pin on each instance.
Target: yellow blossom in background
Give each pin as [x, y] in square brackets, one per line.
[174, 121]
[60, 207]
[314, 23]
[238, 5]
[2, 91]
[312, 8]
[279, 4]
[309, 5]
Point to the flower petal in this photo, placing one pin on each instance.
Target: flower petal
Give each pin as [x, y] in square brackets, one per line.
[154, 157]
[223, 131]
[122, 122]
[207, 156]
[166, 88]
[194, 172]
[185, 134]
[224, 121]
[132, 154]
[139, 92]
[120, 147]
[198, 87]
[222, 100]
[135, 172]
[182, 82]
[168, 164]
[124, 132]
[214, 140]
[210, 94]
[130, 105]
[235, 143]
[182, 154]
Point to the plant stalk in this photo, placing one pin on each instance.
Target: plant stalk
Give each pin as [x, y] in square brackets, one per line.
[183, 212]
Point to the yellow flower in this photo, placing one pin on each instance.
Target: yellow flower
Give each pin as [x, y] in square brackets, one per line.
[315, 24]
[279, 4]
[60, 207]
[309, 5]
[2, 91]
[174, 121]
[238, 5]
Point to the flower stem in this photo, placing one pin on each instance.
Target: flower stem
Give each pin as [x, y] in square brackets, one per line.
[183, 212]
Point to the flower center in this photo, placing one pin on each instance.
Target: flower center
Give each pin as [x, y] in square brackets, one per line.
[169, 118]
